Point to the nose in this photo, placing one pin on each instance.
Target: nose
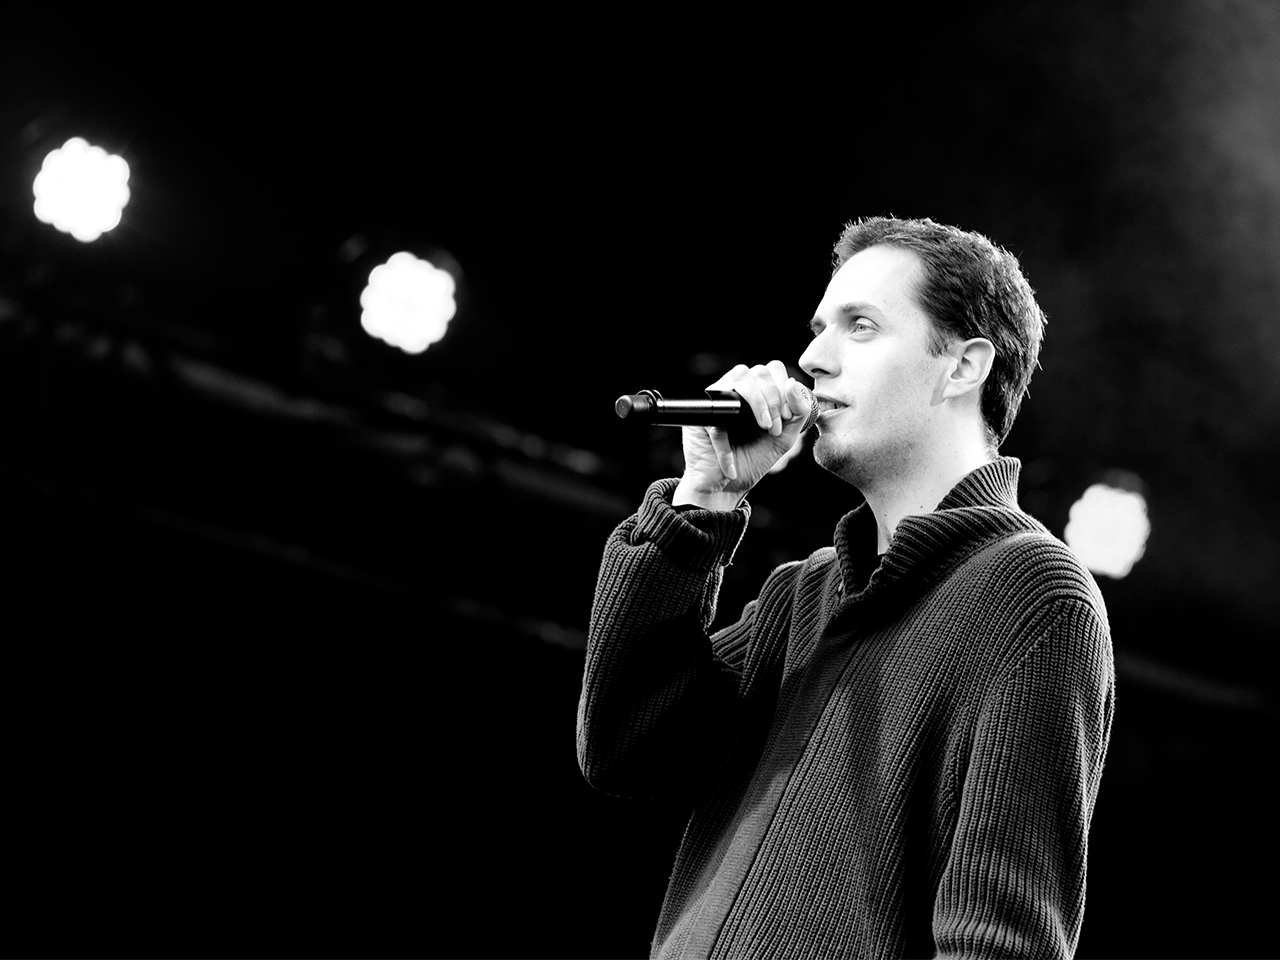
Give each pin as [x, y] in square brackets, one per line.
[818, 359]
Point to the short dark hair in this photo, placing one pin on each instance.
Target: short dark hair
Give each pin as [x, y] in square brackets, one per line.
[970, 288]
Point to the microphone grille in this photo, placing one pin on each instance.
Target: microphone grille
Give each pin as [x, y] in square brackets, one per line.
[812, 418]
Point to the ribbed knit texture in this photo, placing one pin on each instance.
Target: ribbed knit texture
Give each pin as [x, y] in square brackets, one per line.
[905, 767]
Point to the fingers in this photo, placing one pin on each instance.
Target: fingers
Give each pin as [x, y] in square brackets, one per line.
[724, 452]
[764, 389]
[782, 382]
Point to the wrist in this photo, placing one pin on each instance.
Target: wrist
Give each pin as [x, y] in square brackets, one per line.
[688, 492]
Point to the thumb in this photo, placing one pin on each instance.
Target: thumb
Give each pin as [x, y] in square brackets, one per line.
[804, 408]
[724, 451]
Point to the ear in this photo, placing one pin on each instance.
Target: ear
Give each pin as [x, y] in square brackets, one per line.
[972, 361]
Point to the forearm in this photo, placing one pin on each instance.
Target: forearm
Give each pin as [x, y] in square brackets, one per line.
[653, 693]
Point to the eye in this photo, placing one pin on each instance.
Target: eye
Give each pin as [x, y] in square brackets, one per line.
[860, 325]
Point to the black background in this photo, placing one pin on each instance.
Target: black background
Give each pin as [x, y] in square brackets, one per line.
[296, 621]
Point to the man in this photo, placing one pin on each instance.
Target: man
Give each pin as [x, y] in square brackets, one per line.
[897, 748]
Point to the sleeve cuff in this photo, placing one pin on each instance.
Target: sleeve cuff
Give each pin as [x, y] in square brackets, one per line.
[694, 538]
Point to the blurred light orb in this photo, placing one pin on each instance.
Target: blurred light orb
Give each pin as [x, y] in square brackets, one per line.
[81, 189]
[1108, 529]
[408, 302]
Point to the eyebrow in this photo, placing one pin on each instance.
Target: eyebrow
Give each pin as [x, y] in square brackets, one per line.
[858, 307]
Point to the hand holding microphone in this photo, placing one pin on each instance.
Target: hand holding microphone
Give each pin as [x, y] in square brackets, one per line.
[722, 463]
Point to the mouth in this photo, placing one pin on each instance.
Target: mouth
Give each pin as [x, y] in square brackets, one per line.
[826, 404]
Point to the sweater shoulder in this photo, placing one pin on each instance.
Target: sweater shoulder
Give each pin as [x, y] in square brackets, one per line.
[788, 587]
[795, 575]
[1032, 559]
[1023, 609]
[1033, 579]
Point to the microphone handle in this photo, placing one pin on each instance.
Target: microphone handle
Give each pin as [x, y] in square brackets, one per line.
[722, 408]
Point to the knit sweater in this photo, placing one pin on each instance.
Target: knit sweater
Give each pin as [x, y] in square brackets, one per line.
[897, 765]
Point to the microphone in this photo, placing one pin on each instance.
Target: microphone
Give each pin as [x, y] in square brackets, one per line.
[722, 408]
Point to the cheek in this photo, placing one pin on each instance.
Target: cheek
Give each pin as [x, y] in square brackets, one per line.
[900, 378]
[918, 376]
[905, 394]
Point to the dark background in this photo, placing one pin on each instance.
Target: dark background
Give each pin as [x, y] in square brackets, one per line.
[296, 622]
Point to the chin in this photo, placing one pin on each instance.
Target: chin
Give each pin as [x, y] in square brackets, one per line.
[863, 464]
[837, 458]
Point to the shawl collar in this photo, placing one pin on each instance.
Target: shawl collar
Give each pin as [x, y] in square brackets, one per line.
[981, 508]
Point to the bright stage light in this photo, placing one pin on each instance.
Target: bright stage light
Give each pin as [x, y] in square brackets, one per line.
[1108, 529]
[81, 189]
[408, 302]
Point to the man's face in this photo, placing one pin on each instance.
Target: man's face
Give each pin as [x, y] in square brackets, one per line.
[877, 384]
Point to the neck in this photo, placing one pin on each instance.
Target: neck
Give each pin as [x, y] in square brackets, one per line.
[918, 487]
